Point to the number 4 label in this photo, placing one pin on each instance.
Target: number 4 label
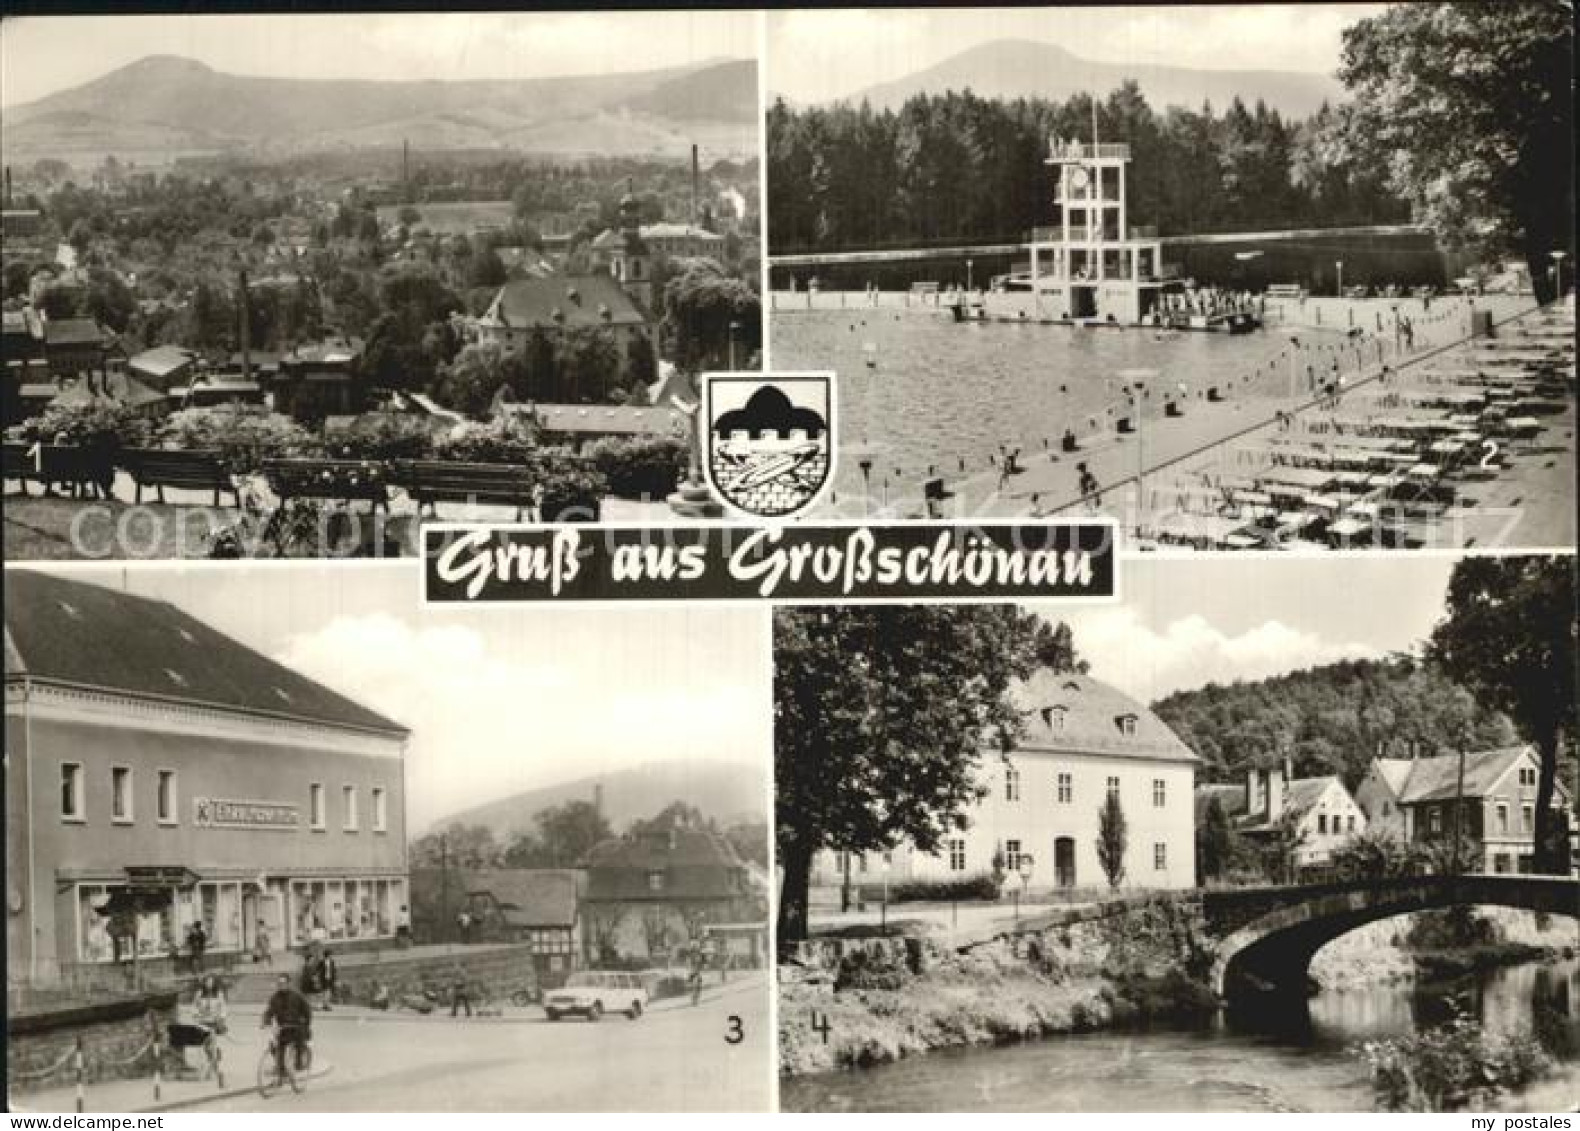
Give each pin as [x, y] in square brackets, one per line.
[820, 1025]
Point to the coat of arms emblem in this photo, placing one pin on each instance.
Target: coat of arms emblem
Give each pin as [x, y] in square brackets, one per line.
[768, 440]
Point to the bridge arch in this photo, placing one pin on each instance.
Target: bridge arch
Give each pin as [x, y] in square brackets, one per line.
[1268, 936]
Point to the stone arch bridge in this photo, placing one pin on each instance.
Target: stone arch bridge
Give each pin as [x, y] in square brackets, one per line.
[1267, 936]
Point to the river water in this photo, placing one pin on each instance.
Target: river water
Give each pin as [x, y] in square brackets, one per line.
[1297, 1062]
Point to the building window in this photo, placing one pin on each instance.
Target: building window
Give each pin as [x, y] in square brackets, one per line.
[957, 855]
[1113, 787]
[121, 794]
[315, 805]
[655, 881]
[1435, 819]
[165, 797]
[1011, 784]
[1159, 792]
[380, 811]
[1503, 817]
[1527, 818]
[1322, 824]
[1066, 784]
[1528, 775]
[1012, 855]
[1160, 857]
[349, 807]
[1349, 823]
[1056, 719]
[72, 804]
[1127, 725]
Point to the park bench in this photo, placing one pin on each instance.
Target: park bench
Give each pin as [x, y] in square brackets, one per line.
[430, 482]
[195, 470]
[343, 479]
[68, 465]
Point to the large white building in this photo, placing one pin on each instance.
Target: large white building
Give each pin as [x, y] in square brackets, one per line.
[1082, 740]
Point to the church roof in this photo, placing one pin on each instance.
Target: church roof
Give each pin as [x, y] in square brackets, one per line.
[90, 636]
[1072, 711]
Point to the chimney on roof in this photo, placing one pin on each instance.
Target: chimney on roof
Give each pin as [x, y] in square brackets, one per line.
[1275, 793]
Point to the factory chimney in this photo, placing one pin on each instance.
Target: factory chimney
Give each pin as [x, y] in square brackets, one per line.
[694, 177]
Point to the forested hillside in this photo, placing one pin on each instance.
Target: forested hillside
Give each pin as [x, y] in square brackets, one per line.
[955, 166]
[1331, 719]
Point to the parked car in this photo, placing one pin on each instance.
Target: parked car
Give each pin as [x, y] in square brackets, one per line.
[592, 993]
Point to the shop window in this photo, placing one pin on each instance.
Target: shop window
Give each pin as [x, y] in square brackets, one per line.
[73, 806]
[165, 797]
[315, 805]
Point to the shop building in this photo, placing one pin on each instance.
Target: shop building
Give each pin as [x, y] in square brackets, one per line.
[142, 742]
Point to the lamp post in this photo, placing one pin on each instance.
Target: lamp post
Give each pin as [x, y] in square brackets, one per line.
[1024, 867]
[1558, 258]
[968, 276]
[865, 463]
[734, 327]
[1339, 266]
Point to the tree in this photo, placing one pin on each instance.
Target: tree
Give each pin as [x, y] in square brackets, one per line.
[1215, 841]
[570, 830]
[675, 815]
[1055, 647]
[881, 716]
[1470, 108]
[486, 269]
[472, 379]
[1281, 847]
[1112, 839]
[701, 305]
[1377, 854]
[457, 845]
[1509, 634]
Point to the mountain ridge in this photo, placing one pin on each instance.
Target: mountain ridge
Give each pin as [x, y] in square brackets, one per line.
[180, 104]
[1022, 68]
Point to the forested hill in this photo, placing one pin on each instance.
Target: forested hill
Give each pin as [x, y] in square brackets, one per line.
[1331, 719]
[956, 167]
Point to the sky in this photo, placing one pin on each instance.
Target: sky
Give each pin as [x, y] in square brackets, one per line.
[42, 54]
[1182, 623]
[815, 56]
[499, 701]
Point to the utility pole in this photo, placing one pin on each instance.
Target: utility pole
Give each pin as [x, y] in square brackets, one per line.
[444, 882]
[1459, 810]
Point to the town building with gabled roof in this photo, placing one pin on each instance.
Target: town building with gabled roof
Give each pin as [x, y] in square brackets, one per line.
[142, 742]
[1082, 740]
[1415, 799]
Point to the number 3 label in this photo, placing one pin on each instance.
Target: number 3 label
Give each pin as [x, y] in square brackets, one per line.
[736, 1033]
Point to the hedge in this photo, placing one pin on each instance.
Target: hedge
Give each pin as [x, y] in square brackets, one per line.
[981, 886]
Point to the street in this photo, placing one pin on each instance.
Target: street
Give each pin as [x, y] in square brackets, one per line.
[675, 1058]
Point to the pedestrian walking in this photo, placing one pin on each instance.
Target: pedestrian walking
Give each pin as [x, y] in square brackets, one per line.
[262, 945]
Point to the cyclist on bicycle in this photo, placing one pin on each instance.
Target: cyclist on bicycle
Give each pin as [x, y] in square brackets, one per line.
[292, 1017]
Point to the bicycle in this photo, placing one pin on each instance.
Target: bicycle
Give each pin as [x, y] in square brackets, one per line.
[274, 1070]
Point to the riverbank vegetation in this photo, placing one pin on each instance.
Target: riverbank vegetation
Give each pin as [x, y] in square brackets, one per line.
[1453, 1066]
